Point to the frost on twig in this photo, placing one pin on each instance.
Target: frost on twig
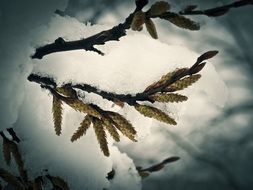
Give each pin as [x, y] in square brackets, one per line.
[102, 120]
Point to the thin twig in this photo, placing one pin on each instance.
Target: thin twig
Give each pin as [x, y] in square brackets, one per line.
[88, 44]
[217, 11]
[12, 133]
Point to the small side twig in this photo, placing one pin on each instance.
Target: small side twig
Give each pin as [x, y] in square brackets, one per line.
[217, 11]
[12, 133]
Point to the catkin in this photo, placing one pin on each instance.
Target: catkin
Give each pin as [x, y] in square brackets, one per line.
[164, 97]
[84, 126]
[123, 125]
[182, 21]
[155, 113]
[184, 83]
[151, 28]
[111, 129]
[57, 114]
[78, 105]
[101, 136]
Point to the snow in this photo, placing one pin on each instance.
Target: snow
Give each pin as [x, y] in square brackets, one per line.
[129, 66]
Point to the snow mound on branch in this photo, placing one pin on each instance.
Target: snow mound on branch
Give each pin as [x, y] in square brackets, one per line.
[129, 66]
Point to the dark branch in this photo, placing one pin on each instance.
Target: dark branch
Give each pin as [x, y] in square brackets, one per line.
[12, 133]
[131, 99]
[115, 33]
[217, 11]
[159, 166]
[127, 98]
[88, 44]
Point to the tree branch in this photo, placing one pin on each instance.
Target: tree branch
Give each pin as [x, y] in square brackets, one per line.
[217, 11]
[115, 33]
[127, 98]
[49, 83]
[88, 44]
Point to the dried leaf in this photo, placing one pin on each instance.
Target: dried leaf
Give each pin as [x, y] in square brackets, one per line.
[84, 126]
[138, 21]
[101, 136]
[59, 182]
[155, 113]
[57, 114]
[37, 184]
[6, 151]
[123, 125]
[18, 159]
[11, 179]
[183, 83]
[163, 97]
[159, 8]
[151, 28]
[181, 21]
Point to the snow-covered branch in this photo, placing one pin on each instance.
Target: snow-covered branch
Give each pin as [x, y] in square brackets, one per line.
[157, 10]
[88, 44]
[162, 86]
[160, 91]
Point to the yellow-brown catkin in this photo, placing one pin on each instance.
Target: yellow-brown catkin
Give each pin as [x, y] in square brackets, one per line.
[57, 114]
[184, 83]
[84, 126]
[155, 113]
[101, 136]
